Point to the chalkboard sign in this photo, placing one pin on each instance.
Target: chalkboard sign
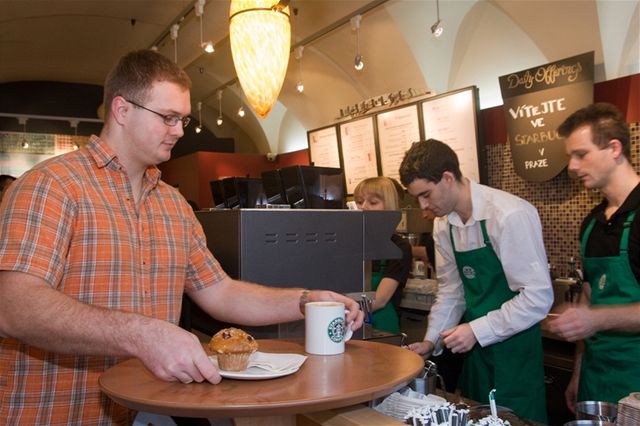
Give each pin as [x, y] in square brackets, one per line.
[536, 102]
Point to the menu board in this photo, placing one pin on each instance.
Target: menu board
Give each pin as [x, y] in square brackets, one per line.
[358, 151]
[323, 147]
[397, 130]
[451, 118]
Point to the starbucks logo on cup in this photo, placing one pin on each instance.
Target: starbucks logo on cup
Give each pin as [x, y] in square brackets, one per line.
[469, 272]
[335, 330]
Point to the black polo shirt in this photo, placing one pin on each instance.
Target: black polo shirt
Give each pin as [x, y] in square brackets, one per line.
[397, 269]
[606, 234]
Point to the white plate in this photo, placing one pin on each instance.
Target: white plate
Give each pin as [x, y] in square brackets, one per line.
[255, 373]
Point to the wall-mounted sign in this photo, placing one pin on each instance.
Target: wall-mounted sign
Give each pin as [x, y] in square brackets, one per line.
[536, 102]
[397, 130]
[358, 144]
[451, 118]
[388, 100]
[323, 147]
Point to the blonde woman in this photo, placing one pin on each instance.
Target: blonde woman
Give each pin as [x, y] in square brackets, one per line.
[388, 276]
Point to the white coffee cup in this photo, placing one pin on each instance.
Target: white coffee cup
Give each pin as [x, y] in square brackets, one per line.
[326, 329]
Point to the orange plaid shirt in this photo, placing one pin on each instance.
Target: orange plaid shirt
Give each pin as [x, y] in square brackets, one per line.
[71, 221]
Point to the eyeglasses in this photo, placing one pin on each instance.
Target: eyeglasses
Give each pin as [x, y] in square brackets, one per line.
[169, 120]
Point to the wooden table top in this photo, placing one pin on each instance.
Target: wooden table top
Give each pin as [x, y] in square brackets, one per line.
[365, 371]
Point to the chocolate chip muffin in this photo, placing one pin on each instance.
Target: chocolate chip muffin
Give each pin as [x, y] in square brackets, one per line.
[233, 347]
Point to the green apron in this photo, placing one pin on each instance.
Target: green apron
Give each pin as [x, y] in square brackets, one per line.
[514, 367]
[385, 319]
[611, 361]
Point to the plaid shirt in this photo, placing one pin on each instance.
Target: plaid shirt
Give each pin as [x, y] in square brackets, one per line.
[72, 221]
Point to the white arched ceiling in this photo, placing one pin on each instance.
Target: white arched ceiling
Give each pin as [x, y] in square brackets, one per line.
[293, 135]
[433, 55]
[475, 63]
[483, 39]
[620, 21]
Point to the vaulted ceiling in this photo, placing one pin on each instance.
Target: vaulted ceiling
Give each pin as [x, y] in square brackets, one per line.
[79, 41]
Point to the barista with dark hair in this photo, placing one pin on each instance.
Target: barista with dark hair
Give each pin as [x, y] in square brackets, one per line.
[492, 272]
[606, 322]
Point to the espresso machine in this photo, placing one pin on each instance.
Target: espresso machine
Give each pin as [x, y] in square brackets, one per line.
[311, 248]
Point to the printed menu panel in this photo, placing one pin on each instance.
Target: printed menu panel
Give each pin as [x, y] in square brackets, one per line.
[397, 130]
[323, 147]
[358, 151]
[452, 119]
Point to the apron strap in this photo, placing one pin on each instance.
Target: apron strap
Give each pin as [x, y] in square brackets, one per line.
[624, 239]
[453, 244]
[485, 234]
[624, 242]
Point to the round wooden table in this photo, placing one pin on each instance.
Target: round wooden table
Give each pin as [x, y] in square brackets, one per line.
[365, 371]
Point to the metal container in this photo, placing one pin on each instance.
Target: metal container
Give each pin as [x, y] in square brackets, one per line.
[427, 383]
[596, 410]
[588, 423]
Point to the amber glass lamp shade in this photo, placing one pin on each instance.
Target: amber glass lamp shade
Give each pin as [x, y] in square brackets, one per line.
[260, 34]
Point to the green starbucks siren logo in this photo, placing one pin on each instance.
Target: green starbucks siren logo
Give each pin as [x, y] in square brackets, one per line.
[335, 330]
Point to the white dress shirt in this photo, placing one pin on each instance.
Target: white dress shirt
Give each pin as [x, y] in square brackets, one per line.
[514, 228]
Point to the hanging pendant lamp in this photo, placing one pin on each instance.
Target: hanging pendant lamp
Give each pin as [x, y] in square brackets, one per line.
[260, 34]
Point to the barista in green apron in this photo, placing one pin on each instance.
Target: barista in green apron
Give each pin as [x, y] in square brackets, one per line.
[605, 323]
[610, 368]
[388, 276]
[385, 319]
[514, 367]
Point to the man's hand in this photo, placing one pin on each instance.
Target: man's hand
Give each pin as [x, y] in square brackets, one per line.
[574, 323]
[459, 339]
[354, 314]
[424, 348]
[173, 354]
[571, 393]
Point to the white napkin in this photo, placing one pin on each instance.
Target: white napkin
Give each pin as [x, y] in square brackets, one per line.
[276, 362]
[273, 362]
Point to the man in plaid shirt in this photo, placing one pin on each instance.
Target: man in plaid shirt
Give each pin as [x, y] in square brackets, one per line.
[95, 254]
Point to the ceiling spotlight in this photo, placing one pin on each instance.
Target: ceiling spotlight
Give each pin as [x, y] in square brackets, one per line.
[358, 63]
[23, 122]
[208, 46]
[199, 126]
[174, 36]
[298, 54]
[241, 112]
[199, 10]
[74, 125]
[219, 120]
[437, 29]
